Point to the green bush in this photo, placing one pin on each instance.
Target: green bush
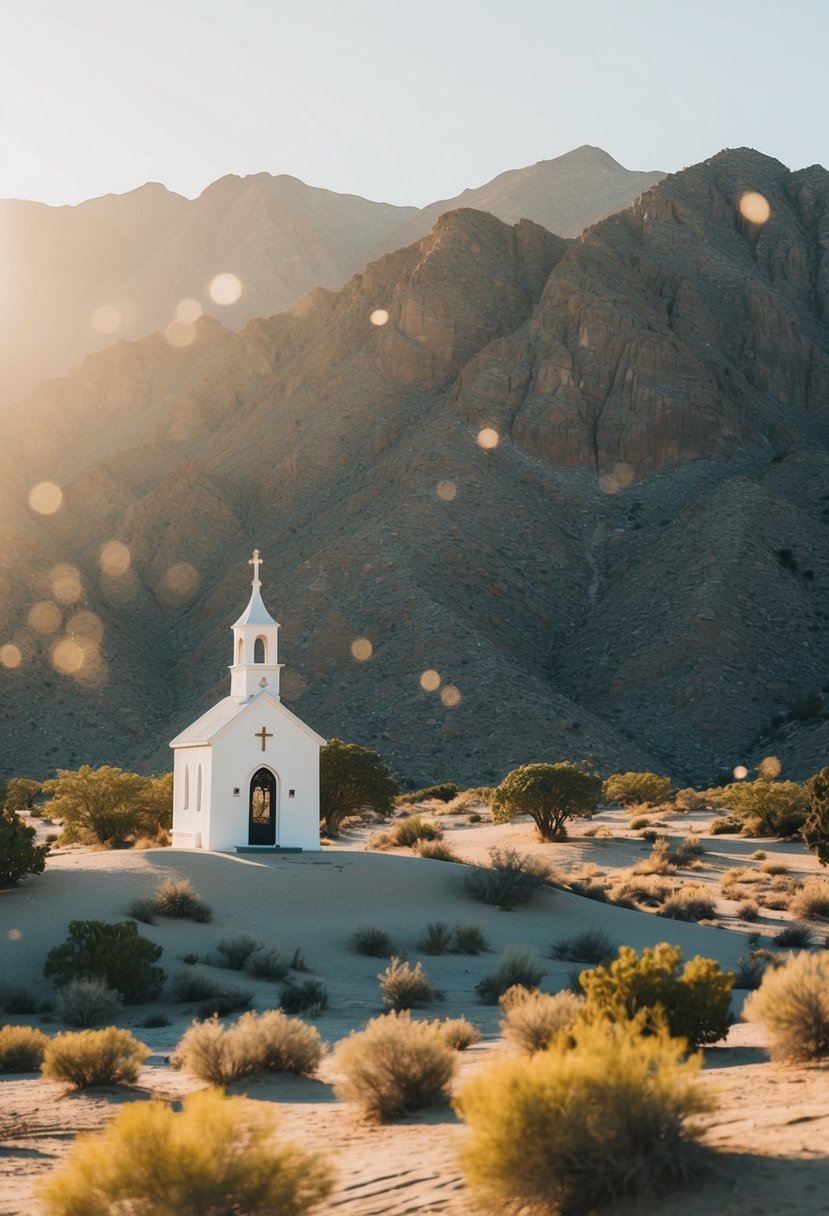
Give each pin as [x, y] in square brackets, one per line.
[792, 1003]
[109, 806]
[394, 1066]
[515, 966]
[19, 855]
[409, 831]
[459, 1033]
[469, 939]
[178, 899]
[405, 987]
[633, 789]
[267, 963]
[309, 997]
[236, 951]
[114, 953]
[533, 1019]
[14, 998]
[727, 825]
[218, 1155]
[87, 1002]
[21, 1049]
[436, 938]
[511, 878]
[589, 946]
[21, 793]
[142, 910]
[768, 808]
[258, 1042]
[442, 793]
[94, 1057]
[815, 831]
[352, 779]
[372, 941]
[695, 1001]
[550, 794]
[196, 985]
[583, 1124]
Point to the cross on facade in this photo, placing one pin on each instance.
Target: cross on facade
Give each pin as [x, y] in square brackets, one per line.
[263, 735]
[256, 562]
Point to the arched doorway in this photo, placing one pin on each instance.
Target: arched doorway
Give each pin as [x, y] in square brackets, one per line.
[262, 808]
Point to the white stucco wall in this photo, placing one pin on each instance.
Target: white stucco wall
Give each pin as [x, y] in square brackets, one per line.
[191, 822]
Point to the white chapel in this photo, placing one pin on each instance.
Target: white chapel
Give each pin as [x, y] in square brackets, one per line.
[246, 773]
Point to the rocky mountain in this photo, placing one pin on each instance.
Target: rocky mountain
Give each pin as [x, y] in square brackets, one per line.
[76, 278]
[637, 570]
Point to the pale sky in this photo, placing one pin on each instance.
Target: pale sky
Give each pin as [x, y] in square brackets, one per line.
[406, 103]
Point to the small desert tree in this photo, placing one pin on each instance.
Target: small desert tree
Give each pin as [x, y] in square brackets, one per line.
[767, 808]
[21, 792]
[19, 855]
[550, 794]
[106, 804]
[632, 789]
[815, 830]
[115, 953]
[352, 779]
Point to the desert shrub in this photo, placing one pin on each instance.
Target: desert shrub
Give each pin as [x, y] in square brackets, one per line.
[792, 1003]
[684, 852]
[727, 825]
[688, 800]
[794, 937]
[231, 1000]
[632, 789]
[759, 855]
[87, 1002]
[459, 1033]
[266, 1042]
[94, 1057]
[815, 831]
[444, 792]
[641, 821]
[748, 910]
[694, 1001]
[405, 987]
[196, 985]
[21, 793]
[469, 939]
[107, 805]
[154, 1021]
[394, 1066]
[534, 1020]
[142, 910]
[114, 953]
[379, 842]
[410, 831]
[812, 900]
[15, 998]
[266, 963]
[298, 962]
[309, 996]
[591, 888]
[550, 794]
[236, 951]
[774, 868]
[659, 861]
[21, 1048]
[689, 903]
[511, 878]
[648, 891]
[177, 898]
[436, 850]
[651, 835]
[751, 968]
[768, 808]
[218, 1155]
[19, 855]
[583, 1124]
[352, 779]
[437, 938]
[372, 941]
[515, 966]
[589, 946]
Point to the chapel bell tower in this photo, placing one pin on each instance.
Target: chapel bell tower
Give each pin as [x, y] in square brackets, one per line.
[254, 666]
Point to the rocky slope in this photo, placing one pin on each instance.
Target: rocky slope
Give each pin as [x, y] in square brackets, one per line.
[75, 278]
[637, 571]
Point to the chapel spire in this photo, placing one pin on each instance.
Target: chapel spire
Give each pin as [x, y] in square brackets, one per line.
[255, 639]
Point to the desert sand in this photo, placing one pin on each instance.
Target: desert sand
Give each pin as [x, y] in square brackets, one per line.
[769, 1130]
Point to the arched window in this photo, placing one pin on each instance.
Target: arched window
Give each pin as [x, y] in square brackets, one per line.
[240, 657]
[186, 787]
[260, 651]
[198, 790]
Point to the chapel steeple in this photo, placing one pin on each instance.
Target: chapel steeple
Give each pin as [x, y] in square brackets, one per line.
[255, 634]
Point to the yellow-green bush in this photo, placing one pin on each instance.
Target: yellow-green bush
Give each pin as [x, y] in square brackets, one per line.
[632, 789]
[598, 1116]
[533, 1019]
[394, 1066]
[94, 1057]
[695, 1001]
[459, 1033]
[792, 1003]
[218, 1155]
[404, 987]
[21, 1048]
[258, 1042]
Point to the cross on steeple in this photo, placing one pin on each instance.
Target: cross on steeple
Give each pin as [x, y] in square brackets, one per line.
[256, 562]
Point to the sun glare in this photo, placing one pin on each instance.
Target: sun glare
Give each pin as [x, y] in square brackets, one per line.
[10, 655]
[45, 617]
[180, 334]
[430, 680]
[362, 649]
[451, 696]
[740, 772]
[65, 582]
[755, 207]
[379, 316]
[188, 311]
[114, 558]
[225, 288]
[45, 498]
[106, 318]
[447, 491]
[488, 437]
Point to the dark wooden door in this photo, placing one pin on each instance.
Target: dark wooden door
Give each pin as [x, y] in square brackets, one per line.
[262, 818]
